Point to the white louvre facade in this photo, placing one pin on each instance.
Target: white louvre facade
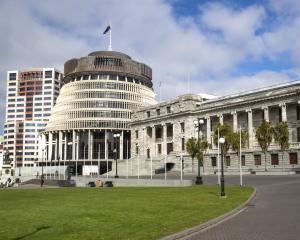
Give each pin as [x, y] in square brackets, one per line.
[99, 94]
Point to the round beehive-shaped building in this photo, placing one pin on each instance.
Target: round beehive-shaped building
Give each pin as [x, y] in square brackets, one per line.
[92, 114]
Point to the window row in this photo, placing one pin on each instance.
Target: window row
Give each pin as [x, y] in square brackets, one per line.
[293, 160]
[98, 114]
[92, 124]
[113, 95]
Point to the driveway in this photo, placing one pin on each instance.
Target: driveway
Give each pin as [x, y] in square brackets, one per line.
[274, 214]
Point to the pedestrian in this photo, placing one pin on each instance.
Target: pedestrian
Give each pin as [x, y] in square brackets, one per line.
[42, 180]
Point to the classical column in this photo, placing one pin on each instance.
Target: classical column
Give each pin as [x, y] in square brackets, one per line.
[56, 147]
[164, 141]
[235, 122]
[283, 112]
[250, 127]
[221, 119]
[208, 129]
[77, 145]
[266, 113]
[73, 144]
[121, 145]
[66, 146]
[50, 146]
[105, 144]
[90, 148]
[60, 140]
[152, 151]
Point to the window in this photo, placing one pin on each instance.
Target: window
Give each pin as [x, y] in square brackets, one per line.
[38, 104]
[121, 78]
[298, 134]
[182, 144]
[136, 134]
[227, 161]
[293, 158]
[48, 87]
[169, 109]
[47, 98]
[243, 160]
[158, 112]
[298, 112]
[213, 161]
[182, 127]
[274, 159]
[48, 74]
[12, 76]
[136, 149]
[148, 114]
[159, 148]
[148, 153]
[257, 160]
[56, 75]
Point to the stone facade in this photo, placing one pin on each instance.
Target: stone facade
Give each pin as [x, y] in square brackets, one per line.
[160, 132]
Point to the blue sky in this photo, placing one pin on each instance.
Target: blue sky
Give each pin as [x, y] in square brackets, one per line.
[224, 46]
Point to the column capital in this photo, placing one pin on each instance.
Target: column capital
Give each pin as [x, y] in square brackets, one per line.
[233, 113]
[248, 110]
[264, 107]
[283, 105]
[207, 117]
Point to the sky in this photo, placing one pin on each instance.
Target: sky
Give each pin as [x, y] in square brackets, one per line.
[222, 47]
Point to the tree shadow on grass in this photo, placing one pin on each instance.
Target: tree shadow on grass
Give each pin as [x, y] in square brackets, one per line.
[31, 233]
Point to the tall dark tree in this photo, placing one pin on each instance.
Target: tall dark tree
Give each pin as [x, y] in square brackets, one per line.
[235, 141]
[202, 147]
[191, 147]
[264, 135]
[281, 136]
[225, 131]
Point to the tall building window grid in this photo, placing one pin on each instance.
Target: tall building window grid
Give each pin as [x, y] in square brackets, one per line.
[27, 88]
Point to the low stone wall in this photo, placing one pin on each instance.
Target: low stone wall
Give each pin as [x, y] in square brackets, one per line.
[83, 181]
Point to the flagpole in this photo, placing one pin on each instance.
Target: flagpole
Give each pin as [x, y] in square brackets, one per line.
[219, 177]
[241, 173]
[160, 92]
[110, 47]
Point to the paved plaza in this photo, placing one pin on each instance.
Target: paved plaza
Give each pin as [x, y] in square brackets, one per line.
[272, 215]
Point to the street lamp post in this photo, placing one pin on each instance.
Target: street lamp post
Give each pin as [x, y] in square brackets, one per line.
[198, 123]
[116, 135]
[222, 141]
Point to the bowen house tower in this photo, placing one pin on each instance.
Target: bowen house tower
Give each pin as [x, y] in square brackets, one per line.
[99, 93]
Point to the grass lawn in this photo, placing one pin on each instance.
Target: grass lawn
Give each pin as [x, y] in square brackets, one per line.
[111, 213]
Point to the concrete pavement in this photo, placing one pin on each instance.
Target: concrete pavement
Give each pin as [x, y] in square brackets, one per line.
[274, 213]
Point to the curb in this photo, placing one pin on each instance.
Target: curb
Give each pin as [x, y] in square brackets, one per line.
[188, 233]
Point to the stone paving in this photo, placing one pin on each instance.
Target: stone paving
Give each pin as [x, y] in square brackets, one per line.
[274, 213]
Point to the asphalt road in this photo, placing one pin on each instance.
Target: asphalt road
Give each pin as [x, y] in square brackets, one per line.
[274, 213]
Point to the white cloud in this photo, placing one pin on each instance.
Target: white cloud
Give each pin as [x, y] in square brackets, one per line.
[210, 46]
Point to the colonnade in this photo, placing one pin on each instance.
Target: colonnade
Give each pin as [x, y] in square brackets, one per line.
[88, 145]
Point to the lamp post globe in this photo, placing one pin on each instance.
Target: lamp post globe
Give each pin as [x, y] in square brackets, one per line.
[222, 141]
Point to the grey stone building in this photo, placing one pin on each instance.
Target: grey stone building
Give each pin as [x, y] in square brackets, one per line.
[160, 132]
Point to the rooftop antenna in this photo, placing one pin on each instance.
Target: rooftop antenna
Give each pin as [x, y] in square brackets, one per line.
[108, 29]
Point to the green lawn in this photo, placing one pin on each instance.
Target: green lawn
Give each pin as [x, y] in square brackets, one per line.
[111, 213]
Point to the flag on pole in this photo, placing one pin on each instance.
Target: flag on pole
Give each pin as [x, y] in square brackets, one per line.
[107, 29]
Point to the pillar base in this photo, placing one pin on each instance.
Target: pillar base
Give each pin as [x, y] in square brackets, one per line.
[199, 180]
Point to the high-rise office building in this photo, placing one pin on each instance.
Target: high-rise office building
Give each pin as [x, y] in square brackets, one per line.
[31, 94]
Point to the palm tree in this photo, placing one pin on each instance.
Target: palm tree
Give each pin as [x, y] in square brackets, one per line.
[235, 141]
[203, 146]
[281, 136]
[226, 132]
[264, 136]
[191, 147]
